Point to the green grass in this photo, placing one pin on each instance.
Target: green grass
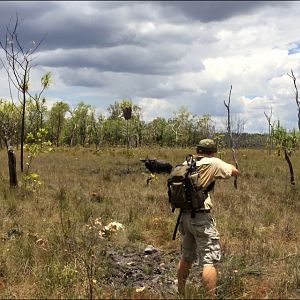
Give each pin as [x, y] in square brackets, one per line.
[46, 250]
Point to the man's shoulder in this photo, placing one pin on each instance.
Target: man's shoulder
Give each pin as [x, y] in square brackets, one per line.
[219, 168]
[211, 160]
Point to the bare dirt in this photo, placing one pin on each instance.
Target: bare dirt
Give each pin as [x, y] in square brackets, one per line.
[154, 272]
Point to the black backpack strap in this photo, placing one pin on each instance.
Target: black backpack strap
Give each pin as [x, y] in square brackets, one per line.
[206, 190]
[193, 213]
[209, 187]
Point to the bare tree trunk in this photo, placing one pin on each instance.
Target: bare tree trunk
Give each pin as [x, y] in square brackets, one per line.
[299, 118]
[23, 131]
[58, 131]
[73, 135]
[13, 181]
[230, 134]
[176, 133]
[127, 134]
[270, 131]
[286, 156]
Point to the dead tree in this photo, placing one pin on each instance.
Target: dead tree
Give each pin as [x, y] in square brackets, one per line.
[296, 95]
[287, 158]
[18, 66]
[270, 131]
[227, 105]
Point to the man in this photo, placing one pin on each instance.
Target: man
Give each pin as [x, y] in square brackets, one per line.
[200, 238]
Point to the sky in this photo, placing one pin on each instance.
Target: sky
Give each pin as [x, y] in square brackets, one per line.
[164, 55]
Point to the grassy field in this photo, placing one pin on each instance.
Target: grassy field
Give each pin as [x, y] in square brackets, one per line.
[50, 243]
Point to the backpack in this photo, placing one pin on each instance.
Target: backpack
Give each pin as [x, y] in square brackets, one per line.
[184, 191]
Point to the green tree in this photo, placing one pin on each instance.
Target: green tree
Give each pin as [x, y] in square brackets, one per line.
[115, 110]
[77, 125]
[137, 126]
[113, 131]
[57, 120]
[9, 124]
[40, 102]
[126, 106]
[123, 124]
[157, 129]
[36, 144]
[95, 131]
[9, 121]
[286, 141]
[202, 128]
[35, 115]
[181, 124]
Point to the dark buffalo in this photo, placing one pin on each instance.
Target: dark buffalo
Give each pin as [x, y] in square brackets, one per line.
[156, 166]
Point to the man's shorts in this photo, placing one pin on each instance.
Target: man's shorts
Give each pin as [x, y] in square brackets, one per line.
[200, 238]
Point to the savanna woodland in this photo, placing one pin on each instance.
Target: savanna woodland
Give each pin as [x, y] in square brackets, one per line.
[79, 221]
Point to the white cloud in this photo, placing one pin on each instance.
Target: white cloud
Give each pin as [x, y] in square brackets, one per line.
[165, 55]
[153, 108]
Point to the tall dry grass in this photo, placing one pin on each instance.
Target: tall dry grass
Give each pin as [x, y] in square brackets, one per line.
[50, 249]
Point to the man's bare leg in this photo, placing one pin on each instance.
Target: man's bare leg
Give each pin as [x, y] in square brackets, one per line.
[209, 277]
[183, 270]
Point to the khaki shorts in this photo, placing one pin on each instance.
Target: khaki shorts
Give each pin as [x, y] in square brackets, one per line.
[200, 238]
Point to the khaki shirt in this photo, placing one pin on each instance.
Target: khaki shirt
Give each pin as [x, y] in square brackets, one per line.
[210, 169]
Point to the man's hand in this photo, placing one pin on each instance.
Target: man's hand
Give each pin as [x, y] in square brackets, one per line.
[234, 171]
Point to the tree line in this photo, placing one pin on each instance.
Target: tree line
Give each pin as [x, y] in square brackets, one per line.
[81, 126]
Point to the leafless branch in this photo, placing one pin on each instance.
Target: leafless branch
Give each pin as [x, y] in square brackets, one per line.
[270, 130]
[296, 95]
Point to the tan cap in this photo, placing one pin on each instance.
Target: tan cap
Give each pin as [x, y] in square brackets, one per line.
[207, 145]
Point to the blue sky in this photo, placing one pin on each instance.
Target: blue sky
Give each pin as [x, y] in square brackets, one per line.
[166, 54]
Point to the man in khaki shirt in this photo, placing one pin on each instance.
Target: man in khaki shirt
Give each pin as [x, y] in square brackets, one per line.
[200, 237]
